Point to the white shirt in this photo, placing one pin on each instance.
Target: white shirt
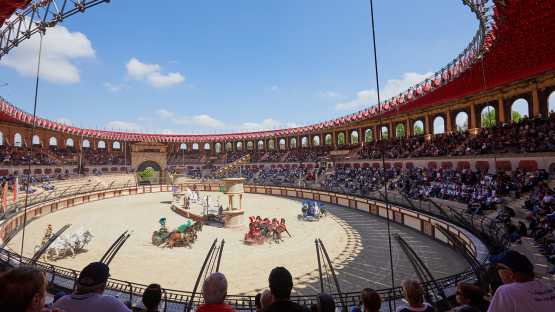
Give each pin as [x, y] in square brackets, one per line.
[534, 296]
[92, 302]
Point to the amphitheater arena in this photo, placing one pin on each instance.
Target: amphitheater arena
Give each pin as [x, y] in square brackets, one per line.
[92, 181]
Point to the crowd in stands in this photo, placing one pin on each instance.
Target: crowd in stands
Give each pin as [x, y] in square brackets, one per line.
[513, 287]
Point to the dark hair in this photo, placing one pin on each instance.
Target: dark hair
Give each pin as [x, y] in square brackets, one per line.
[152, 297]
[257, 302]
[326, 303]
[471, 292]
[19, 286]
[281, 283]
[371, 299]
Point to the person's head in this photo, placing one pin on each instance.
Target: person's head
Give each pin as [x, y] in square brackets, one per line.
[152, 297]
[414, 293]
[214, 288]
[281, 283]
[325, 303]
[93, 278]
[371, 300]
[266, 299]
[257, 303]
[513, 266]
[23, 289]
[469, 294]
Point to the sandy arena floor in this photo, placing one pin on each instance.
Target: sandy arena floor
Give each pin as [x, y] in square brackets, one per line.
[355, 241]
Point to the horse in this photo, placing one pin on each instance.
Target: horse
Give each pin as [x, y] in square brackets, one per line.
[176, 238]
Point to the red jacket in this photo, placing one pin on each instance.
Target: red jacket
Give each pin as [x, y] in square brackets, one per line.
[215, 308]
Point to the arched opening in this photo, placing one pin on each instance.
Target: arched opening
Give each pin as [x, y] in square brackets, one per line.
[551, 102]
[292, 143]
[418, 127]
[354, 137]
[228, 147]
[218, 147]
[116, 145]
[271, 144]
[488, 117]
[183, 146]
[70, 143]
[461, 121]
[36, 140]
[341, 138]
[385, 133]
[1, 139]
[400, 130]
[195, 146]
[53, 141]
[439, 125]
[101, 144]
[86, 144]
[328, 139]
[260, 145]
[250, 146]
[304, 142]
[368, 136]
[519, 110]
[239, 146]
[206, 146]
[316, 140]
[17, 140]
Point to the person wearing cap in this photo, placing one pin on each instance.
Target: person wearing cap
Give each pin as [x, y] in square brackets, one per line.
[281, 284]
[88, 296]
[520, 291]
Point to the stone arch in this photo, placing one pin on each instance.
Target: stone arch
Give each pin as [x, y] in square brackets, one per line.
[316, 140]
[384, 132]
[70, 143]
[520, 108]
[418, 127]
[149, 163]
[551, 102]
[354, 137]
[86, 143]
[17, 140]
[228, 147]
[271, 144]
[183, 146]
[328, 140]
[488, 116]
[250, 146]
[207, 146]
[292, 143]
[400, 130]
[36, 140]
[239, 146]
[218, 147]
[1, 138]
[304, 142]
[116, 145]
[52, 141]
[461, 121]
[368, 135]
[101, 144]
[260, 145]
[341, 138]
[439, 125]
[195, 147]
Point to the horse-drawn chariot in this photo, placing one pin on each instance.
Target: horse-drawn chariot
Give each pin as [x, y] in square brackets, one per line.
[183, 235]
[312, 211]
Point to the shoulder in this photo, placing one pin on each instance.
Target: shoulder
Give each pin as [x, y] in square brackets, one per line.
[114, 303]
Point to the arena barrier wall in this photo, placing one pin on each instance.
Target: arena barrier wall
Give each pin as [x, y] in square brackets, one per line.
[175, 299]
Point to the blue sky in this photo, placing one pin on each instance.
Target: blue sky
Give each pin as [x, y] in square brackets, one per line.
[217, 66]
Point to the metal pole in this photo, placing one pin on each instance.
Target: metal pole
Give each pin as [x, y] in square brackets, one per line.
[319, 265]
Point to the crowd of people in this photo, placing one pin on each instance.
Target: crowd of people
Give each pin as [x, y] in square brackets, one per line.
[24, 289]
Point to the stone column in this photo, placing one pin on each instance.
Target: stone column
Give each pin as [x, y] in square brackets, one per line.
[502, 116]
[448, 121]
[472, 118]
[536, 111]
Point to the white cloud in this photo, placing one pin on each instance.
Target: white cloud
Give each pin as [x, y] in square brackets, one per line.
[60, 48]
[151, 73]
[266, 124]
[65, 121]
[115, 87]
[122, 125]
[393, 87]
[207, 121]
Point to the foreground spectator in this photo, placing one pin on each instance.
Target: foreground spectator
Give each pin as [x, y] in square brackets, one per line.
[281, 284]
[22, 289]
[265, 300]
[370, 301]
[471, 298]
[152, 297]
[214, 291]
[325, 304]
[520, 291]
[414, 294]
[89, 294]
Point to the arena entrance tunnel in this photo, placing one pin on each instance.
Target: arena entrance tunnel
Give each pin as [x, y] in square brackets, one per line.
[147, 177]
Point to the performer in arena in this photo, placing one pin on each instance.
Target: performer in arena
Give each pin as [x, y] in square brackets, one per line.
[47, 234]
[163, 229]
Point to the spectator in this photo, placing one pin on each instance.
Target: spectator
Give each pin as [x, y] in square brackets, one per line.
[265, 300]
[470, 298]
[281, 284]
[22, 289]
[325, 304]
[520, 291]
[370, 300]
[214, 291]
[89, 294]
[414, 294]
[152, 297]
[257, 303]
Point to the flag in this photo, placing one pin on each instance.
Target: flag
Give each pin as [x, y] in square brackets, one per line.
[15, 188]
[5, 196]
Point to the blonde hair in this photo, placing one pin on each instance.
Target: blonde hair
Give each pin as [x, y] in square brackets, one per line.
[414, 293]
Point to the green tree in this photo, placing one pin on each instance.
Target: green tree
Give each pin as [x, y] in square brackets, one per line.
[488, 119]
[400, 131]
[147, 173]
[418, 130]
[341, 138]
[516, 116]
